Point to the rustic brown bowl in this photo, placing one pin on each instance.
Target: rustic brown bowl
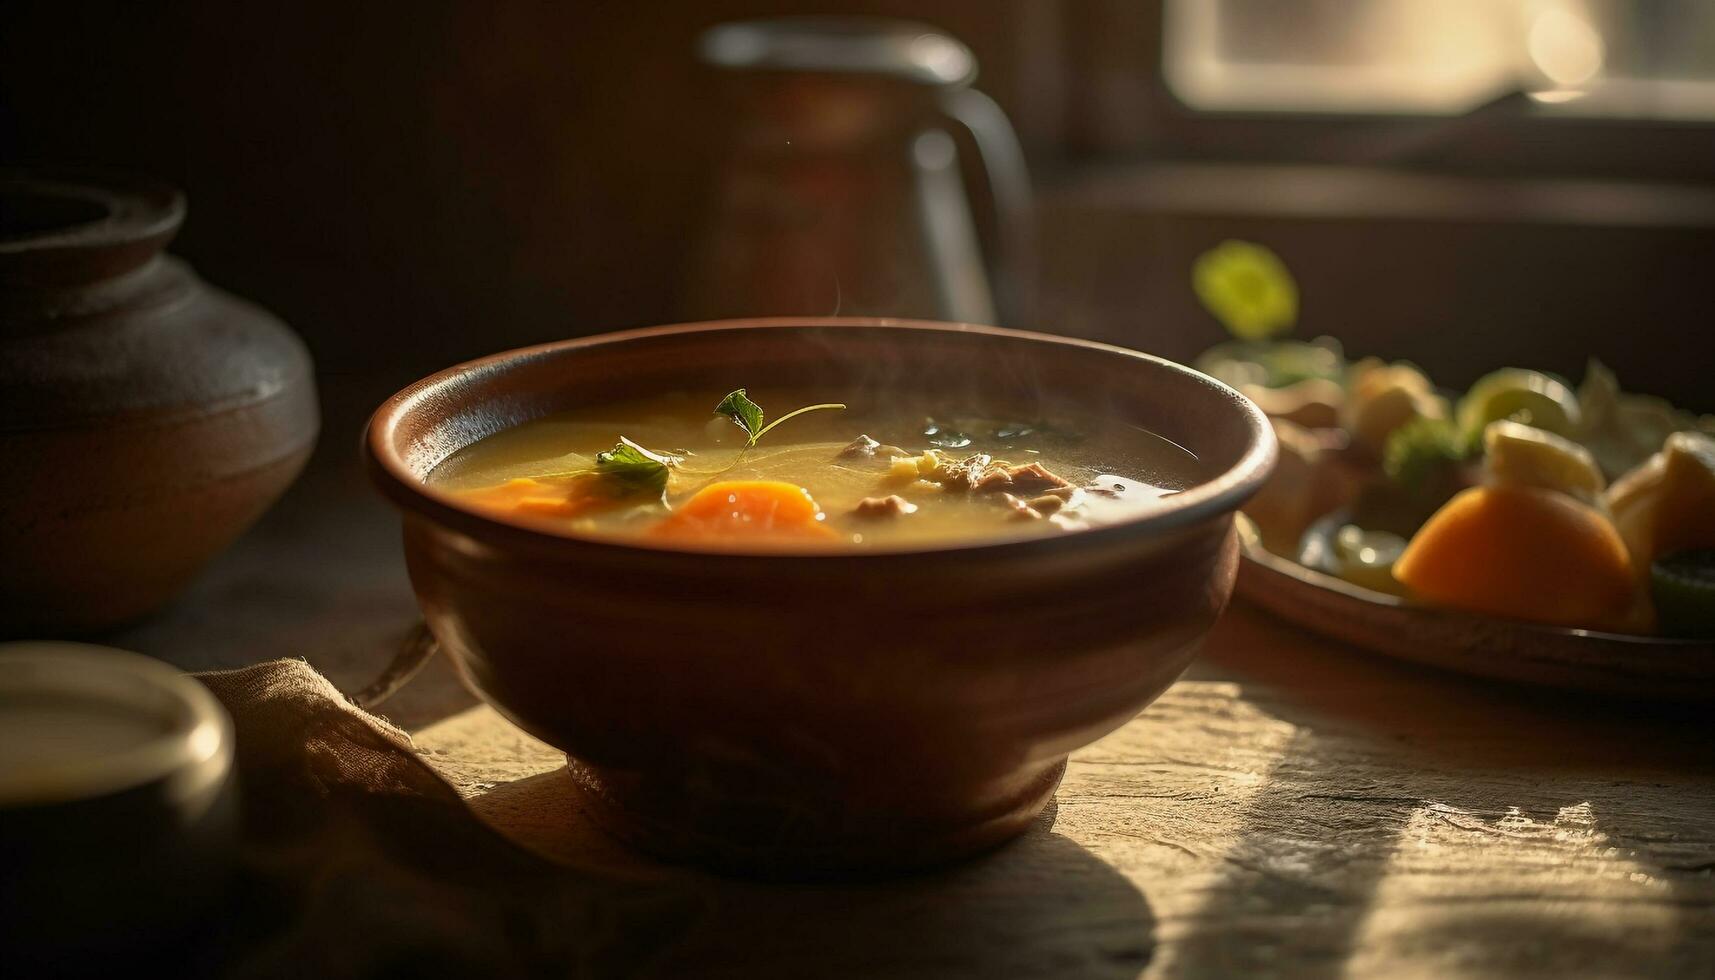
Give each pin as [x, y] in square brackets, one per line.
[821, 713]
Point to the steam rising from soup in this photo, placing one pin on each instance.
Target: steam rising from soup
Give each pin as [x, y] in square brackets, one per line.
[877, 474]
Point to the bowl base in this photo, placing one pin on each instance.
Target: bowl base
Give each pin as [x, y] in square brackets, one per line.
[745, 838]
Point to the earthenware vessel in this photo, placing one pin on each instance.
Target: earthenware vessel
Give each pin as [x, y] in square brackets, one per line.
[146, 417]
[823, 713]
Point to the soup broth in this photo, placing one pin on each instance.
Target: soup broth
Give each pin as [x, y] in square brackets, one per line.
[871, 475]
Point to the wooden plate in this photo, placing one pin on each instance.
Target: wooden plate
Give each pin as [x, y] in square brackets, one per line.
[1585, 660]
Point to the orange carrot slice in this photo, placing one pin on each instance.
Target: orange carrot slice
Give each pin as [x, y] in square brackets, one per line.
[539, 498]
[734, 510]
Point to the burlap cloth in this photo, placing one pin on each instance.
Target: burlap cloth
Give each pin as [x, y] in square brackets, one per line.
[357, 859]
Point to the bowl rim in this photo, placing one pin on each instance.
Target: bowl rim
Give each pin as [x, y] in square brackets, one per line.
[1222, 493]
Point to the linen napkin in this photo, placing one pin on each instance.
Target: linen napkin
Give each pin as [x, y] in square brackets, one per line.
[357, 859]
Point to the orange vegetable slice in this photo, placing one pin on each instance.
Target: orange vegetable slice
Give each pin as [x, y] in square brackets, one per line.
[538, 498]
[1523, 553]
[734, 510]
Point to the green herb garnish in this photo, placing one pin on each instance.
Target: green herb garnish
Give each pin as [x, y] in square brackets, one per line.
[626, 468]
[630, 465]
[748, 416]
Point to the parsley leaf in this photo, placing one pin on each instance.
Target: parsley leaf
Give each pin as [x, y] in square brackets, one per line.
[747, 414]
[744, 413]
[630, 465]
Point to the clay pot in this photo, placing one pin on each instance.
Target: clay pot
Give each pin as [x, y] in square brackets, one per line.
[146, 418]
[811, 713]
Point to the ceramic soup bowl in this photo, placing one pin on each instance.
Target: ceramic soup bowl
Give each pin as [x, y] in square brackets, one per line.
[841, 712]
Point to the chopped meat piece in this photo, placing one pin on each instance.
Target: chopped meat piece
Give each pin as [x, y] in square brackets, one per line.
[892, 505]
[950, 473]
[1021, 511]
[1047, 503]
[980, 473]
[863, 447]
[965, 473]
[1062, 501]
[1028, 478]
[1032, 478]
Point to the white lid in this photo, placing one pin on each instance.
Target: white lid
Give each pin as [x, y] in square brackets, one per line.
[79, 721]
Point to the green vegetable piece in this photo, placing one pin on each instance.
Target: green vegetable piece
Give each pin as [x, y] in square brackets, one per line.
[748, 416]
[1683, 587]
[1524, 396]
[1423, 456]
[1366, 558]
[633, 468]
[744, 413]
[1248, 288]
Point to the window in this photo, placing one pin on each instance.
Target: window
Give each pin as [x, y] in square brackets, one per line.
[1603, 58]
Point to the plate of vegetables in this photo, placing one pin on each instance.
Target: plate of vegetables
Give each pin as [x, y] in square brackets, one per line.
[1526, 528]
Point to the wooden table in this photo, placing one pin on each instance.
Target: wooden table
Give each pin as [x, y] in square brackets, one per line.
[1290, 808]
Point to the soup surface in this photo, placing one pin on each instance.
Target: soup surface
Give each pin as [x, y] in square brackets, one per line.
[868, 475]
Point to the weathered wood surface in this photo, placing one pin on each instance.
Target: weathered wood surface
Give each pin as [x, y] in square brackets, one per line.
[1290, 809]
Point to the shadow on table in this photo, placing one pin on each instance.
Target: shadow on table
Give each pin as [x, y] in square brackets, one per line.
[1040, 906]
[1299, 884]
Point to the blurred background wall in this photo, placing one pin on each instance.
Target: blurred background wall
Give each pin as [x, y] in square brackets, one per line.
[409, 185]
